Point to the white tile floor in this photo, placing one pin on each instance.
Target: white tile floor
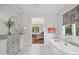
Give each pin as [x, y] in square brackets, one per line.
[35, 49]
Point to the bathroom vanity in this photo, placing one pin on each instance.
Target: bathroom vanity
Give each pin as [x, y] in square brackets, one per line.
[60, 47]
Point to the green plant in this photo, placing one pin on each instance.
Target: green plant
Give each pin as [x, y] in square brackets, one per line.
[9, 24]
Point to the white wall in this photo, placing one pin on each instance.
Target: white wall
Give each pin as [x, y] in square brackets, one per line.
[26, 21]
[37, 20]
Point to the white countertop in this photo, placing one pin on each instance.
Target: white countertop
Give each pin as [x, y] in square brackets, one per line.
[69, 48]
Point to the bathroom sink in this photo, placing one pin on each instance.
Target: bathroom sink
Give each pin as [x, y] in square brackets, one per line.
[67, 48]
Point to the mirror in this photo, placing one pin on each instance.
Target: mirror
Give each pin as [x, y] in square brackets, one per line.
[68, 30]
[77, 29]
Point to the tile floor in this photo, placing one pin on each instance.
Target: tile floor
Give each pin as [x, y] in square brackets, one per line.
[35, 49]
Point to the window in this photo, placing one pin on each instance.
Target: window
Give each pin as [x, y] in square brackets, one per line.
[68, 30]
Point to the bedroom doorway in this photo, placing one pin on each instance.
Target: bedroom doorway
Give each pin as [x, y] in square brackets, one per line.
[37, 30]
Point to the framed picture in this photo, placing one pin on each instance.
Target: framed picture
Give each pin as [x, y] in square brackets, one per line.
[51, 30]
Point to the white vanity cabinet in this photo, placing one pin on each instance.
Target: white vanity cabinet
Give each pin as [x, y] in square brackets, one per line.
[13, 44]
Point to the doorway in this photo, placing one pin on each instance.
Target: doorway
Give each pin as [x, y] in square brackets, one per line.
[37, 30]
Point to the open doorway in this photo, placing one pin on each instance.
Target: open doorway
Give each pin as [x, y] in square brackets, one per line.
[37, 30]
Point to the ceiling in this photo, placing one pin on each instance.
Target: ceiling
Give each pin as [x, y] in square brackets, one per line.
[37, 20]
[53, 8]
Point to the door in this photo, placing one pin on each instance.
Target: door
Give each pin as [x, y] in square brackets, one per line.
[37, 30]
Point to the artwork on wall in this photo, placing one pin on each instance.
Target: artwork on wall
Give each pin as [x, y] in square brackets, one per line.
[51, 30]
